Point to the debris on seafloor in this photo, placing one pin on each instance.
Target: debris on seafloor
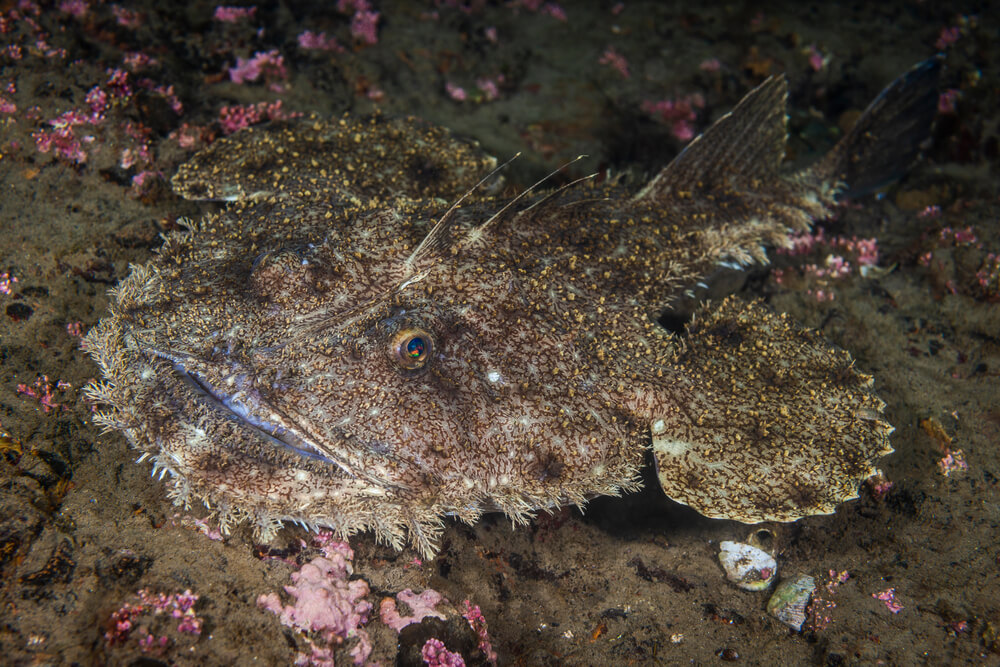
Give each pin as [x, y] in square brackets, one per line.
[790, 599]
[749, 567]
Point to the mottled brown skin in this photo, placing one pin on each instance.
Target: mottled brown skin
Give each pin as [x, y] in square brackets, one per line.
[263, 359]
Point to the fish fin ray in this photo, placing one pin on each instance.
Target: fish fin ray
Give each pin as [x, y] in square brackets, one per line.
[744, 145]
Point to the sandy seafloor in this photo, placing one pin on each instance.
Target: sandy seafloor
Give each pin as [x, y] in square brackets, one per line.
[634, 580]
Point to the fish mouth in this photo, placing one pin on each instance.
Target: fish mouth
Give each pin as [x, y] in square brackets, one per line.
[235, 407]
[230, 407]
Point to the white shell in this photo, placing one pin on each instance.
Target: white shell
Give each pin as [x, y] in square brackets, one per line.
[748, 567]
[788, 604]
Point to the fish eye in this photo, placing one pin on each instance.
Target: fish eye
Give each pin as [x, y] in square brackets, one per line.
[412, 348]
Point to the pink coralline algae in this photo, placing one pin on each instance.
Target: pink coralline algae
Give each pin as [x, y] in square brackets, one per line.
[953, 460]
[477, 622]
[144, 182]
[142, 615]
[6, 281]
[424, 606]
[817, 60]
[318, 41]
[710, 65]
[679, 114]
[70, 134]
[489, 90]
[421, 606]
[490, 86]
[194, 137]
[455, 92]
[888, 597]
[988, 277]
[45, 393]
[435, 654]
[552, 9]
[948, 101]
[127, 18]
[363, 22]
[616, 60]
[326, 603]
[75, 8]
[61, 137]
[267, 64]
[860, 254]
[958, 237]
[137, 60]
[237, 117]
[233, 14]
[820, 612]
[949, 36]
[880, 486]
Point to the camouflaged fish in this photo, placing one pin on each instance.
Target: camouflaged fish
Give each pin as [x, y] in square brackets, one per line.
[345, 346]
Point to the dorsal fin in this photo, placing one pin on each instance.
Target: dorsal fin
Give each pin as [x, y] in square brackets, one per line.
[748, 143]
[441, 235]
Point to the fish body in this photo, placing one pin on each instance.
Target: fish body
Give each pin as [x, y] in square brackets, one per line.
[363, 340]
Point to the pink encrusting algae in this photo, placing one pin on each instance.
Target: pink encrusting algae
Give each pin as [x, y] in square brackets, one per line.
[326, 602]
[421, 606]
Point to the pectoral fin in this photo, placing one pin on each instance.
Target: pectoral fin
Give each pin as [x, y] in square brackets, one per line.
[773, 422]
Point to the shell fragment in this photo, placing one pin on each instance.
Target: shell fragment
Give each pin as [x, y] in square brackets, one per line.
[748, 567]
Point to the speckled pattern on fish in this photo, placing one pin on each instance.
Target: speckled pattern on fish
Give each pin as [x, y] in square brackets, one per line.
[365, 340]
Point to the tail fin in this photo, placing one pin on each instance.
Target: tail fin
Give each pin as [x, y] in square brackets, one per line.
[887, 137]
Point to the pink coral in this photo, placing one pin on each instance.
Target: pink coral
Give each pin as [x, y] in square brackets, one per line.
[326, 602]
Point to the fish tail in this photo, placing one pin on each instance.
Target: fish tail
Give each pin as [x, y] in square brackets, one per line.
[886, 138]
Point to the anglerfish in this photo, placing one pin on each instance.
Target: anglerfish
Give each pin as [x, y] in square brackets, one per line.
[364, 339]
